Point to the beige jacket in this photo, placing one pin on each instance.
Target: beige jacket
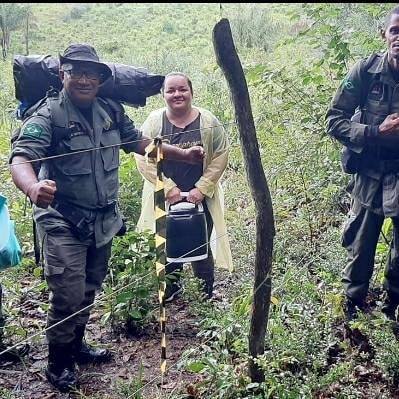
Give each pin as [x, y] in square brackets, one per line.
[215, 144]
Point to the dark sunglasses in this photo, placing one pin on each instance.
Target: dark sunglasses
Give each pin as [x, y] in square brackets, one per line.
[77, 74]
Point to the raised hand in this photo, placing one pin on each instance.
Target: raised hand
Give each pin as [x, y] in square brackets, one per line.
[390, 125]
[194, 155]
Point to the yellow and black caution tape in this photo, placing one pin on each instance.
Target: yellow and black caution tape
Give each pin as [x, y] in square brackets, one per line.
[160, 242]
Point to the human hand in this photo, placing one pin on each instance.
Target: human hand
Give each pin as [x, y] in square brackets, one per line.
[390, 125]
[195, 196]
[42, 193]
[174, 195]
[194, 155]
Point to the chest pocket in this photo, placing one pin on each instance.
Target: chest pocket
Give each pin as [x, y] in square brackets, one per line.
[377, 104]
[110, 155]
[80, 163]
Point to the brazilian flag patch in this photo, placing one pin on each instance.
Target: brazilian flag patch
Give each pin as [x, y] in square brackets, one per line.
[33, 130]
[347, 83]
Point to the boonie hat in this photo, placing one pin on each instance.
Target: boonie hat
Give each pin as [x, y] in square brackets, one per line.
[85, 53]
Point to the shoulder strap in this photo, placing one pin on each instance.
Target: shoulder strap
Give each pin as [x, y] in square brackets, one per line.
[57, 115]
[114, 109]
[27, 112]
[367, 77]
[59, 120]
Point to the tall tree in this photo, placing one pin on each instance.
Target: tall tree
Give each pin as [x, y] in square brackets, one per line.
[228, 60]
[12, 17]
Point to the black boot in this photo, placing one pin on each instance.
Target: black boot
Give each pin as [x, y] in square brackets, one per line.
[207, 289]
[390, 306]
[173, 291]
[174, 287]
[85, 353]
[204, 270]
[207, 281]
[352, 309]
[60, 370]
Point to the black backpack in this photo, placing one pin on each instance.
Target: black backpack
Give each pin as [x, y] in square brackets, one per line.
[350, 160]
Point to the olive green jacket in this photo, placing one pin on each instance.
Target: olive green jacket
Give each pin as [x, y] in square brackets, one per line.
[376, 92]
[215, 143]
[87, 180]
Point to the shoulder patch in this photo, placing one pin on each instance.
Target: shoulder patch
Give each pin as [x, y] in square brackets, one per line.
[348, 84]
[33, 130]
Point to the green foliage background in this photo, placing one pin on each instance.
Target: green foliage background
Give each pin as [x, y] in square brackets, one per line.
[294, 57]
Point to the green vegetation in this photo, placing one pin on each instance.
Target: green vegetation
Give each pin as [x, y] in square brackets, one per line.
[294, 57]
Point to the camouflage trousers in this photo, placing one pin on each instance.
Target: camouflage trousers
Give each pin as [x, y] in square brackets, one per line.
[74, 270]
[360, 238]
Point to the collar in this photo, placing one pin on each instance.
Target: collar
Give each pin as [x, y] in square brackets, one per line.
[381, 66]
[74, 115]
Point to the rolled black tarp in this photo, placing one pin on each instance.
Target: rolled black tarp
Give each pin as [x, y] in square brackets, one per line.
[35, 74]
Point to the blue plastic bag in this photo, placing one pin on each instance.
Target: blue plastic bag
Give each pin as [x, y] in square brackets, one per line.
[10, 250]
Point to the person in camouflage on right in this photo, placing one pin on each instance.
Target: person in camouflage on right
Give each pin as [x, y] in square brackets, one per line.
[364, 117]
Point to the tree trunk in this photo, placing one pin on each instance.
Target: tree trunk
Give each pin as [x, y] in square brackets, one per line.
[229, 62]
[27, 34]
[5, 43]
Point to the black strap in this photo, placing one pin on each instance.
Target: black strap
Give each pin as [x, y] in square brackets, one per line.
[77, 219]
[114, 110]
[367, 78]
[36, 243]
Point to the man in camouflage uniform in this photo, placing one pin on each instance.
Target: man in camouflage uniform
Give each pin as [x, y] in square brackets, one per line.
[75, 198]
[372, 154]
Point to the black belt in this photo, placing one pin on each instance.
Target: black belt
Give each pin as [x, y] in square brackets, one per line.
[104, 209]
[81, 225]
[76, 217]
[61, 202]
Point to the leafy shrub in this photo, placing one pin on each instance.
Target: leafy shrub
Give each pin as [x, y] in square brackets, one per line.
[133, 281]
[110, 46]
[77, 12]
[255, 27]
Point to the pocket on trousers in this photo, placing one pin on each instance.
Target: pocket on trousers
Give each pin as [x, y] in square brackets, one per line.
[53, 270]
[51, 248]
[350, 229]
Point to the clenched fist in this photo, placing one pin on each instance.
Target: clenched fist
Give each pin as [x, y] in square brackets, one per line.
[42, 193]
[194, 155]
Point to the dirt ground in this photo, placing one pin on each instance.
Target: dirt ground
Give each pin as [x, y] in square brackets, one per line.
[136, 360]
[134, 372]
